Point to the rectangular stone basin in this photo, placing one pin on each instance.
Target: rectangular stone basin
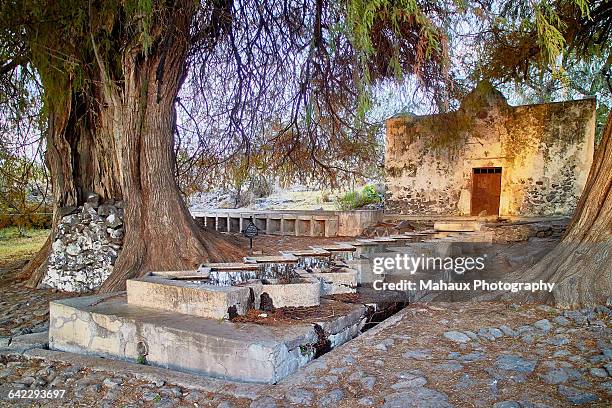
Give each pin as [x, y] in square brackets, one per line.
[303, 293]
[311, 258]
[188, 297]
[339, 251]
[228, 274]
[273, 265]
[337, 282]
[106, 325]
[232, 287]
[364, 248]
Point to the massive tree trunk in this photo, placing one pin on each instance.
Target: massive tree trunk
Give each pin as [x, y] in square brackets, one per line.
[79, 159]
[581, 264]
[116, 139]
[160, 233]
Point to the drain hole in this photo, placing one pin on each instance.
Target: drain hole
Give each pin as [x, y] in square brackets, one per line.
[232, 311]
[374, 317]
[266, 303]
[141, 348]
[251, 304]
[323, 345]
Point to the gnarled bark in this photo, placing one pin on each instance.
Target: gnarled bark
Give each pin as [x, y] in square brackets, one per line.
[79, 161]
[124, 150]
[160, 232]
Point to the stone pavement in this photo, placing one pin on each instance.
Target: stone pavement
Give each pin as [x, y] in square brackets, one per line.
[468, 354]
[25, 310]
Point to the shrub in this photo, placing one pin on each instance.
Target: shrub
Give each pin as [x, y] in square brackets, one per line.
[370, 195]
[358, 199]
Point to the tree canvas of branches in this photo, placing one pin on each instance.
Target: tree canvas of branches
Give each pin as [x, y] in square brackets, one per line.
[23, 176]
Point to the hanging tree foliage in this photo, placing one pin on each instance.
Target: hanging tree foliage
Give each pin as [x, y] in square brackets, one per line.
[112, 70]
[111, 73]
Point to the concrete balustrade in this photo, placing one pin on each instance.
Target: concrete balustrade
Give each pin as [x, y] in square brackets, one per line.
[294, 222]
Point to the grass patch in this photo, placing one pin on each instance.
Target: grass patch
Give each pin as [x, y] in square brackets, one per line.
[17, 244]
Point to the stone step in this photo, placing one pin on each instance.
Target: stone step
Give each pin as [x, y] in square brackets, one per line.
[107, 326]
[458, 226]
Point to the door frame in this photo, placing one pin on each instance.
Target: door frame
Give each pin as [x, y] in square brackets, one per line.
[489, 170]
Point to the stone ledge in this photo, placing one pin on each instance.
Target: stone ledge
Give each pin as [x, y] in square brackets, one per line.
[113, 328]
[149, 373]
[207, 301]
[304, 294]
[458, 226]
[25, 342]
[107, 326]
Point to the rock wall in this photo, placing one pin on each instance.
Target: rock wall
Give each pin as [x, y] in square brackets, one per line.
[522, 232]
[88, 240]
[545, 152]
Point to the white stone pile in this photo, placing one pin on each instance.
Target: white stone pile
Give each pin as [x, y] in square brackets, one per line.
[88, 240]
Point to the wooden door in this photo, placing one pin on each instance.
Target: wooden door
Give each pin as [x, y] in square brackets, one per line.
[486, 189]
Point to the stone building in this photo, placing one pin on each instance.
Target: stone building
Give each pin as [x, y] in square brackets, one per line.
[490, 158]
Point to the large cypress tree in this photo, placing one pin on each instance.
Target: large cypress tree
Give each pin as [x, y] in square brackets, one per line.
[111, 71]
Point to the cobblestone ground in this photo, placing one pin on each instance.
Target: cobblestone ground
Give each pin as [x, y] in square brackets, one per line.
[24, 310]
[464, 354]
[438, 355]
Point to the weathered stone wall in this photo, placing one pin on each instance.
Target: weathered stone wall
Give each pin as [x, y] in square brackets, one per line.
[522, 232]
[86, 245]
[545, 152]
